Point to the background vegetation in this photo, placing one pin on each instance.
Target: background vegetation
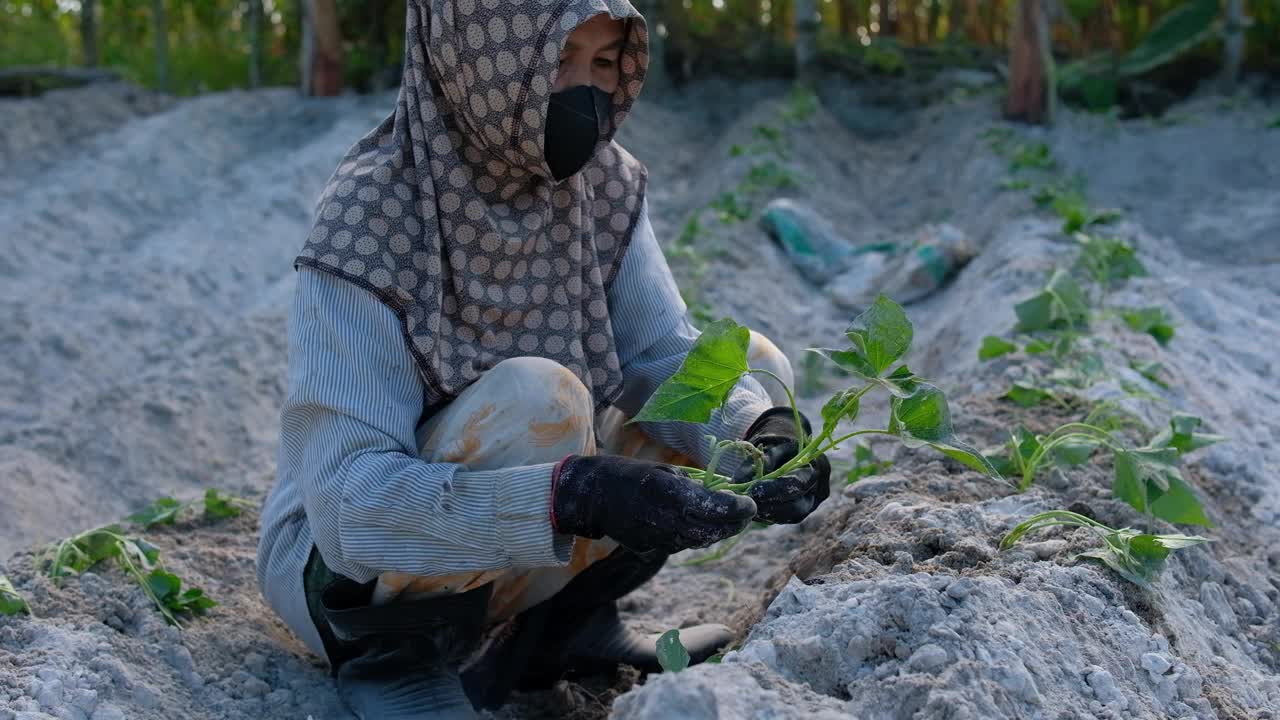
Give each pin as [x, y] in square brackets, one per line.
[193, 46]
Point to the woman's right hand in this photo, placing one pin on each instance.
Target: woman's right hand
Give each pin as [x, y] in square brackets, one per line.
[642, 505]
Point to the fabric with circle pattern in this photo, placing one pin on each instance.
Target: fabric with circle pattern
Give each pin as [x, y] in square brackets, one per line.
[448, 213]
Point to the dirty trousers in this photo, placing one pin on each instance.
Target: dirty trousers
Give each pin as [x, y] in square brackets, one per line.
[527, 411]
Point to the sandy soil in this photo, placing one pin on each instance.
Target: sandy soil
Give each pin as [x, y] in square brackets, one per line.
[146, 250]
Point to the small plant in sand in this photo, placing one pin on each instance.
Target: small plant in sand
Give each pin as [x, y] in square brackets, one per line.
[1135, 555]
[11, 601]
[139, 559]
[865, 464]
[1148, 478]
[878, 339]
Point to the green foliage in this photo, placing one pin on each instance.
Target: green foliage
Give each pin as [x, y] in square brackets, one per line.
[1061, 305]
[167, 588]
[1136, 556]
[217, 505]
[1108, 260]
[1026, 396]
[138, 558]
[715, 363]
[1178, 31]
[11, 601]
[878, 339]
[1151, 371]
[994, 347]
[865, 464]
[1148, 478]
[1154, 321]
[671, 653]
[1032, 156]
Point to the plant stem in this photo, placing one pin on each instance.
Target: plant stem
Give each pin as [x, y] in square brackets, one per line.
[795, 412]
[1053, 440]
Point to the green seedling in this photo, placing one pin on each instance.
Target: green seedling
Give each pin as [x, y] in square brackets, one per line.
[1151, 371]
[1061, 305]
[672, 655]
[1025, 395]
[1071, 206]
[1154, 321]
[1107, 260]
[11, 601]
[865, 464]
[1136, 556]
[1148, 478]
[802, 103]
[138, 559]
[1031, 156]
[730, 208]
[878, 339]
[165, 511]
[994, 347]
[167, 588]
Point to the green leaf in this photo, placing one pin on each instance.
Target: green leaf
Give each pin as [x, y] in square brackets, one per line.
[1061, 305]
[865, 464]
[98, 545]
[713, 366]
[1027, 396]
[218, 506]
[880, 336]
[834, 410]
[1035, 347]
[671, 653]
[994, 347]
[1176, 32]
[1182, 436]
[1151, 320]
[1075, 451]
[11, 601]
[900, 383]
[149, 552]
[1035, 313]
[161, 512]
[925, 419]
[163, 584]
[1149, 480]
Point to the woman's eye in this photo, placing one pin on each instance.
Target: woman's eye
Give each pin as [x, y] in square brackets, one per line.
[604, 63]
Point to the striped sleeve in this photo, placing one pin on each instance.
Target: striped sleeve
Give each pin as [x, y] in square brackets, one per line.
[653, 335]
[348, 448]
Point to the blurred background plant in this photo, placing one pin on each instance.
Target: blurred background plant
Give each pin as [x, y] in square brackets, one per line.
[1106, 52]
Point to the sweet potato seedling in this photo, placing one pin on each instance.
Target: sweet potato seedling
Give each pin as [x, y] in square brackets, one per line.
[11, 601]
[138, 559]
[865, 464]
[1148, 478]
[1135, 555]
[216, 505]
[878, 339]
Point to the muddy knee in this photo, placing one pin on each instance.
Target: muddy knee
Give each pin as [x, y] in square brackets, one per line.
[762, 354]
[547, 403]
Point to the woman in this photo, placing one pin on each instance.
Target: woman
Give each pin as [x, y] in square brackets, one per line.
[480, 306]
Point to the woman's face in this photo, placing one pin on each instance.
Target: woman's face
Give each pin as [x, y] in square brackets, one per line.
[590, 55]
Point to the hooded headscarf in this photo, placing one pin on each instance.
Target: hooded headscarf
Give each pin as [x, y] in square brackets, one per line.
[449, 214]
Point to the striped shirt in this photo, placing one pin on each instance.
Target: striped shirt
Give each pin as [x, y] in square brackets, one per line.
[351, 482]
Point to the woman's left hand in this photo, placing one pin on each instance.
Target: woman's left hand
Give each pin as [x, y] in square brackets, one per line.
[792, 497]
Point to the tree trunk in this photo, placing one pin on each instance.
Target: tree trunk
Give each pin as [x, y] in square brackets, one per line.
[161, 29]
[807, 23]
[956, 19]
[89, 32]
[848, 18]
[1233, 44]
[255, 43]
[321, 63]
[1030, 65]
[935, 17]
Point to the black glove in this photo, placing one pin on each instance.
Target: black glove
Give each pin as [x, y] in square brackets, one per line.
[790, 498]
[642, 505]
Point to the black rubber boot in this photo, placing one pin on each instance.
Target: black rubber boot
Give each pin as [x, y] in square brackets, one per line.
[403, 656]
[583, 633]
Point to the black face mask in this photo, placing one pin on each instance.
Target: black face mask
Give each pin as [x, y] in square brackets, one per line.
[576, 120]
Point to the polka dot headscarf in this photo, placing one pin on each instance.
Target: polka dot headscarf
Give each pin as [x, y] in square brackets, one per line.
[448, 213]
